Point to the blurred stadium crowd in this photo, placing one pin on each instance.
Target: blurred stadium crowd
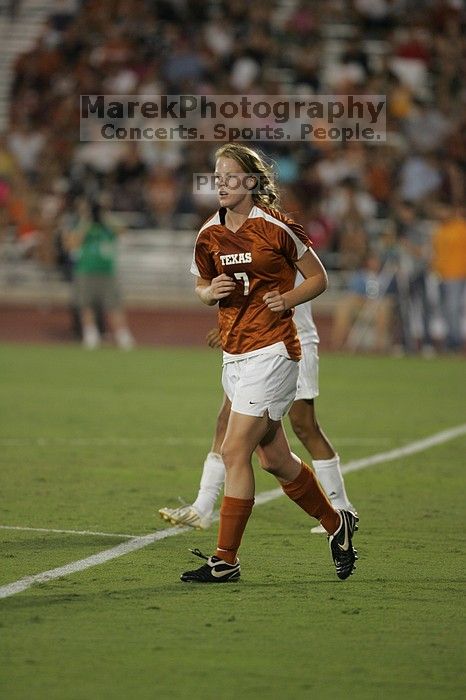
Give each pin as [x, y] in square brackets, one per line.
[357, 202]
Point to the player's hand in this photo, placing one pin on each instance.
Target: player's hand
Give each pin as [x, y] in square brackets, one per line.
[213, 338]
[275, 301]
[221, 286]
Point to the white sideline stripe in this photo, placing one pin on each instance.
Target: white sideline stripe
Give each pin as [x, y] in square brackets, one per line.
[66, 532]
[264, 497]
[410, 449]
[100, 558]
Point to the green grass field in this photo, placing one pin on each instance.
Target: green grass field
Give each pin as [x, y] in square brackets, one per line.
[98, 441]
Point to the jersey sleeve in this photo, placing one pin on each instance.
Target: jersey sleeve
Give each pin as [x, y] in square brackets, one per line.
[202, 264]
[294, 242]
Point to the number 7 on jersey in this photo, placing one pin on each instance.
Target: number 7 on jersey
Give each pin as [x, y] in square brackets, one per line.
[242, 277]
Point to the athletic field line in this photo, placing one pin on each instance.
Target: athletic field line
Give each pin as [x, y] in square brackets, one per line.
[137, 543]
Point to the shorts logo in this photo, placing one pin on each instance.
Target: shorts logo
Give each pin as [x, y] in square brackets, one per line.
[236, 258]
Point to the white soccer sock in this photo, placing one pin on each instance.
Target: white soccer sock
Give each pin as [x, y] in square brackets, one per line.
[91, 337]
[124, 339]
[212, 480]
[329, 474]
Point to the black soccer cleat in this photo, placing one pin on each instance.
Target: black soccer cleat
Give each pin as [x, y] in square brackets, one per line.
[343, 553]
[215, 570]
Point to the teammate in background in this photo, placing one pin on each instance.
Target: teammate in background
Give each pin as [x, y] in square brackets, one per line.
[303, 419]
[93, 246]
[245, 259]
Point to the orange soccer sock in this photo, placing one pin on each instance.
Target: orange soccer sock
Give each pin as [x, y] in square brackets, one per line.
[306, 491]
[234, 515]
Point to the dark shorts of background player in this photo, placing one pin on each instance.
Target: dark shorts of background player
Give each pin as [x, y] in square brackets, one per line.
[97, 290]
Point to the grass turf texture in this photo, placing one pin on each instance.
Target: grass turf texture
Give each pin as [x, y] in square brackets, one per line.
[99, 441]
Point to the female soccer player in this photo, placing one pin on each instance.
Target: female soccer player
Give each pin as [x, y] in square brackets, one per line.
[305, 425]
[245, 259]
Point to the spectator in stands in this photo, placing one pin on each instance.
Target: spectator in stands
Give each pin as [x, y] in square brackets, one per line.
[414, 266]
[94, 243]
[411, 57]
[419, 178]
[369, 292]
[411, 51]
[449, 262]
[8, 164]
[62, 14]
[355, 54]
[352, 245]
[26, 144]
[23, 215]
[349, 201]
[129, 179]
[376, 15]
[426, 127]
[378, 179]
[182, 65]
[12, 8]
[337, 167]
[320, 230]
[352, 69]
[162, 196]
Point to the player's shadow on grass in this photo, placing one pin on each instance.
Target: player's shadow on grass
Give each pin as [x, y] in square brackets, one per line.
[158, 597]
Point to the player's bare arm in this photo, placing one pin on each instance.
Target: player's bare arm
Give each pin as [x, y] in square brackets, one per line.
[213, 338]
[315, 282]
[211, 291]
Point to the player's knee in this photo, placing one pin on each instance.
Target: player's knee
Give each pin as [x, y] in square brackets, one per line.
[231, 454]
[225, 452]
[304, 429]
[300, 429]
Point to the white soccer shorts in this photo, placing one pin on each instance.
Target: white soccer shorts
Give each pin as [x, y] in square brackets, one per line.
[261, 383]
[308, 378]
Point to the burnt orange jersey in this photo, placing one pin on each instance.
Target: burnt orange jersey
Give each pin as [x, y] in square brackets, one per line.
[260, 256]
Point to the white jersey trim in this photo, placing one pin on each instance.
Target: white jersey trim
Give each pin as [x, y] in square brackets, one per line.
[213, 221]
[274, 349]
[255, 213]
[301, 248]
